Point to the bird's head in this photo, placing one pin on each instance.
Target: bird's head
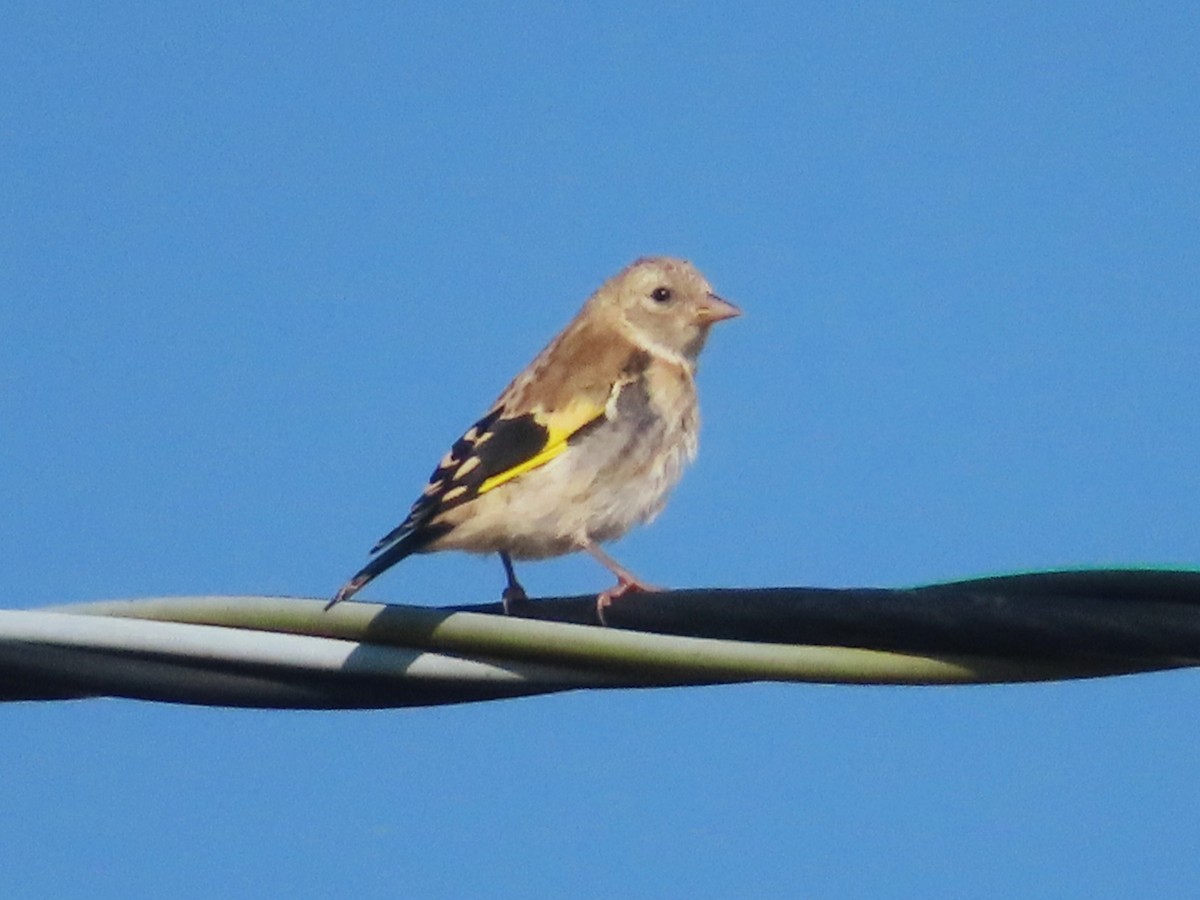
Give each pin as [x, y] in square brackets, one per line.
[664, 305]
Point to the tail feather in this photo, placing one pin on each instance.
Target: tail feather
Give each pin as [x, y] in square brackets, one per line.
[398, 534]
[388, 556]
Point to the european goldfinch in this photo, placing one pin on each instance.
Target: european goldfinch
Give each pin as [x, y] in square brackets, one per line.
[584, 444]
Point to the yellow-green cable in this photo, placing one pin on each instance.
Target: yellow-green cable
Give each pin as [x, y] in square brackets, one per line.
[638, 657]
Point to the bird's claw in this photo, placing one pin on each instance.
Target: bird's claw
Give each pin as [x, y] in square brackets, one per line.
[623, 586]
[514, 595]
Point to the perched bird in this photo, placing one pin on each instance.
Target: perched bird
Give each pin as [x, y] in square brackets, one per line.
[584, 444]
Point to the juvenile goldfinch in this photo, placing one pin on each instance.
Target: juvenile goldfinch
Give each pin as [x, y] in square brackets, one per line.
[584, 444]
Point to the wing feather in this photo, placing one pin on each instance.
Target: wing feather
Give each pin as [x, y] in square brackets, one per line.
[493, 451]
[534, 421]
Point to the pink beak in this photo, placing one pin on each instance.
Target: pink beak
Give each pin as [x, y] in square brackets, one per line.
[714, 309]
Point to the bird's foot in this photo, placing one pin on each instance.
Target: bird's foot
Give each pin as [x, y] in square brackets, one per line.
[513, 596]
[624, 585]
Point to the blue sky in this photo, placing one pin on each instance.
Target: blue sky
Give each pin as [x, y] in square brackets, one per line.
[263, 262]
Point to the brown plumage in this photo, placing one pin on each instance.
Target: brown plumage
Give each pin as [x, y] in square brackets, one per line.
[584, 444]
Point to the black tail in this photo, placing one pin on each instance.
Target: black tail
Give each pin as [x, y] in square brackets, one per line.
[413, 542]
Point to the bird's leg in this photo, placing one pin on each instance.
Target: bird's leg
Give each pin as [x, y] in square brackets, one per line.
[626, 581]
[513, 592]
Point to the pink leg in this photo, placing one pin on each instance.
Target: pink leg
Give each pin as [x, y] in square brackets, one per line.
[627, 582]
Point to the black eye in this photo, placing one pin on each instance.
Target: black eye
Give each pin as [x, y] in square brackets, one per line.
[660, 295]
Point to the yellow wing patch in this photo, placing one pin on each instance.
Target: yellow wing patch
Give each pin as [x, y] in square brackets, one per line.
[560, 426]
